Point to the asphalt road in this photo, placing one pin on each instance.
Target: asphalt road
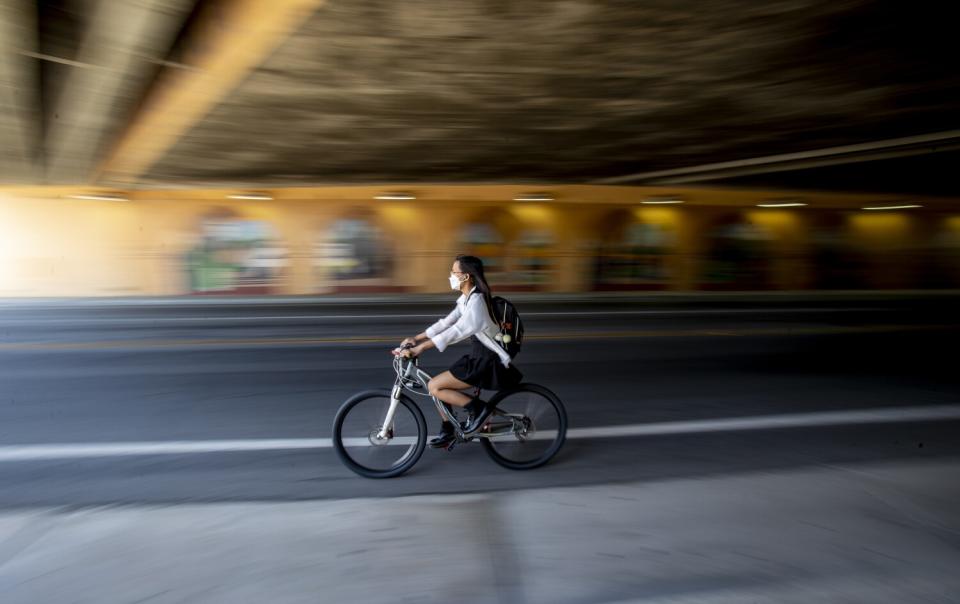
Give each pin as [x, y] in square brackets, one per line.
[86, 374]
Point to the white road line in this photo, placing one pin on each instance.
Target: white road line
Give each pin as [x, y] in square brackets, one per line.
[14, 453]
[607, 313]
[174, 447]
[883, 415]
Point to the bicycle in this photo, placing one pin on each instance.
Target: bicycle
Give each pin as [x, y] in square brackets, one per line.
[382, 434]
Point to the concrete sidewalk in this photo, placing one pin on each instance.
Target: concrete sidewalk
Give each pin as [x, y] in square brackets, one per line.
[878, 533]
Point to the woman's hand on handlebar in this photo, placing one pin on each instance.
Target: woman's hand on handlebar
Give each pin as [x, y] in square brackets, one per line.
[407, 351]
[409, 347]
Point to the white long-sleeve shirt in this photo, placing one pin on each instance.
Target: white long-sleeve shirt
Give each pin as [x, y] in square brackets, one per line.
[469, 318]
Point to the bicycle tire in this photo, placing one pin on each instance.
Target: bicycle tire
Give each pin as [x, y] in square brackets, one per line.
[361, 469]
[552, 450]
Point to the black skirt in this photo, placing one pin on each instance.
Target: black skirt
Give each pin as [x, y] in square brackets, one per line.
[483, 368]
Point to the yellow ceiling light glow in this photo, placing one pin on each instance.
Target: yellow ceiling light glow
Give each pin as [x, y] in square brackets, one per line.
[666, 217]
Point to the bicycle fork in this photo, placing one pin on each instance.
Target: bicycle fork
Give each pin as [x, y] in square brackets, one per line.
[386, 430]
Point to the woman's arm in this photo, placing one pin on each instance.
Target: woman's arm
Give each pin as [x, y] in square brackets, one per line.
[441, 325]
[469, 323]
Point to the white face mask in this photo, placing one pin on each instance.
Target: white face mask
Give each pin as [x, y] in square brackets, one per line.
[454, 282]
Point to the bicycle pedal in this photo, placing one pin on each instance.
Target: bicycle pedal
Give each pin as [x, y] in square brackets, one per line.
[450, 447]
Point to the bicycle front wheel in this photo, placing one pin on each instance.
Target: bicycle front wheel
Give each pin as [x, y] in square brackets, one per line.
[527, 429]
[356, 430]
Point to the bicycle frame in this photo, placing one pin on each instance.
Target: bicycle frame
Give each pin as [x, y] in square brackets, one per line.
[409, 378]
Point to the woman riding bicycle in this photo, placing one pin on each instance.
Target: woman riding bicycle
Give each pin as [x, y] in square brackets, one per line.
[487, 366]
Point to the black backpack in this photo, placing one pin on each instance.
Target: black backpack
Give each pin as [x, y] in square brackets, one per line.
[510, 337]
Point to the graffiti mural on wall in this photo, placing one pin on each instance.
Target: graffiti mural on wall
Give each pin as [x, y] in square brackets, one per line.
[523, 263]
[835, 263]
[484, 240]
[942, 257]
[634, 257]
[533, 261]
[234, 255]
[738, 257]
[353, 253]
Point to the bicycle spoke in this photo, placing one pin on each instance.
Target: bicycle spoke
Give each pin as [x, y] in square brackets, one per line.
[361, 426]
[538, 426]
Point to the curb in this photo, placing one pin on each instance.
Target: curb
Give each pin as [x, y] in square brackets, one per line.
[424, 299]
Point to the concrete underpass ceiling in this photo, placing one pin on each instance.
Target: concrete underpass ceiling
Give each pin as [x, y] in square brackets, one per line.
[561, 91]
[72, 73]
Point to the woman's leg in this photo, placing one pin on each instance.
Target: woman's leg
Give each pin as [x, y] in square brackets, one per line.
[447, 388]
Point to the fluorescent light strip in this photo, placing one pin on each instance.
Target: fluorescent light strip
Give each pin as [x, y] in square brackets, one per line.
[661, 201]
[253, 196]
[903, 207]
[99, 197]
[533, 197]
[791, 204]
[396, 196]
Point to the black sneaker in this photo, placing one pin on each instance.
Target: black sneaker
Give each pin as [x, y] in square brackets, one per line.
[446, 436]
[478, 410]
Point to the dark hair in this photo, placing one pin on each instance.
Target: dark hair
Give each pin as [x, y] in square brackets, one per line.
[473, 266]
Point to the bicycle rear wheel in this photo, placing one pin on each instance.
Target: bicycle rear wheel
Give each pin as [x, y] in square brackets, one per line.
[527, 429]
[355, 430]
